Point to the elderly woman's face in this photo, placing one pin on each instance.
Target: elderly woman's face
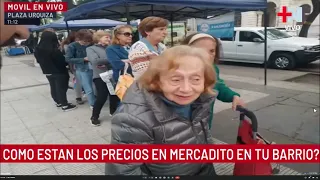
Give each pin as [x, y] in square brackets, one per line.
[158, 34]
[105, 40]
[125, 36]
[185, 84]
[207, 44]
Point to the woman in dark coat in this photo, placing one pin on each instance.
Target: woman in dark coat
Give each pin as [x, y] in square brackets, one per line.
[53, 65]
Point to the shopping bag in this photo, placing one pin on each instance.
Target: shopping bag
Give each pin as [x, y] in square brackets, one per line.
[248, 135]
[124, 82]
[107, 78]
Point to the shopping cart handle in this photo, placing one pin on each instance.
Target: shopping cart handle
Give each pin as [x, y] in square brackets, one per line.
[250, 115]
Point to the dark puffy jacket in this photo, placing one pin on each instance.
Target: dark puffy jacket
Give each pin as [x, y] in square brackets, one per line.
[143, 118]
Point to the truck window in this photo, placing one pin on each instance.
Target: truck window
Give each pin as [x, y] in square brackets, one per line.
[248, 36]
[229, 38]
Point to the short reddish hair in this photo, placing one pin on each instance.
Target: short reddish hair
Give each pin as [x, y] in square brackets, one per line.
[149, 23]
[150, 79]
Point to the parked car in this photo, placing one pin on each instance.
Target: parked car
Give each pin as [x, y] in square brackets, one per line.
[290, 32]
[283, 50]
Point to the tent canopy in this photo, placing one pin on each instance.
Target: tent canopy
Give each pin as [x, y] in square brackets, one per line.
[176, 9]
[30, 27]
[89, 23]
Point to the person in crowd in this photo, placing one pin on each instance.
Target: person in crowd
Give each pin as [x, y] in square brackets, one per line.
[213, 48]
[76, 80]
[168, 104]
[30, 42]
[153, 31]
[76, 54]
[98, 58]
[49, 29]
[60, 38]
[9, 33]
[117, 53]
[70, 39]
[53, 65]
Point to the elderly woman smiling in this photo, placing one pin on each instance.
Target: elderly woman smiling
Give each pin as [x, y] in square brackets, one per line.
[168, 104]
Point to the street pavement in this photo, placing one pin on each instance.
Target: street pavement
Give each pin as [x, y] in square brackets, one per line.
[28, 115]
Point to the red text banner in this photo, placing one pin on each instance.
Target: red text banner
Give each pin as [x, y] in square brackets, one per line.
[35, 6]
[58, 153]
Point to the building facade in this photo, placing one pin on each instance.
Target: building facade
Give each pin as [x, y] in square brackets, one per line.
[255, 18]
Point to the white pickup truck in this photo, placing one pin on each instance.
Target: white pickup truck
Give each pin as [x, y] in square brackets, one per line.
[283, 50]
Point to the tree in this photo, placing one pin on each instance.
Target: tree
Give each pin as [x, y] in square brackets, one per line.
[306, 25]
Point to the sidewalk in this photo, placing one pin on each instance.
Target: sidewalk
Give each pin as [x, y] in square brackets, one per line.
[18, 72]
[29, 116]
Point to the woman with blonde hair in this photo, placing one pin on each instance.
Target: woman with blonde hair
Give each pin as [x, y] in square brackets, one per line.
[99, 63]
[168, 104]
[117, 53]
[213, 47]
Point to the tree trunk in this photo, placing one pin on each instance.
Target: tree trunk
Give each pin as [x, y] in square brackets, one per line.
[306, 25]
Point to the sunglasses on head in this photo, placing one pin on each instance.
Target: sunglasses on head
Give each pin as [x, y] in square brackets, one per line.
[127, 34]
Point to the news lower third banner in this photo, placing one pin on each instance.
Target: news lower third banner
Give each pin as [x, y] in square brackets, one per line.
[27, 18]
[31, 13]
[54, 153]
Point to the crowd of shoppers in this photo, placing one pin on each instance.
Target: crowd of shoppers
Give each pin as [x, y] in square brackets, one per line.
[170, 101]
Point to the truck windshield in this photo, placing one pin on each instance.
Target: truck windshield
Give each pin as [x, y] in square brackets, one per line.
[275, 34]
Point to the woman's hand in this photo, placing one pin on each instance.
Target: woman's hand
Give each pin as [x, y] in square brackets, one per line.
[86, 59]
[237, 101]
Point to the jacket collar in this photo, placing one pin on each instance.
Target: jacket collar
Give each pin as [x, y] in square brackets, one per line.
[120, 48]
[154, 102]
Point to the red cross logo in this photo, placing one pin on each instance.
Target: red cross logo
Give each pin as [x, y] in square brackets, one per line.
[284, 14]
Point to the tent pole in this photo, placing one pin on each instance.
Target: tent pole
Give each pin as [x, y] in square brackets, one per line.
[67, 27]
[37, 38]
[127, 14]
[171, 20]
[152, 10]
[265, 22]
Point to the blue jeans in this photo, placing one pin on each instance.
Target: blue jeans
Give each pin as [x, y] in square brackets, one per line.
[86, 82]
